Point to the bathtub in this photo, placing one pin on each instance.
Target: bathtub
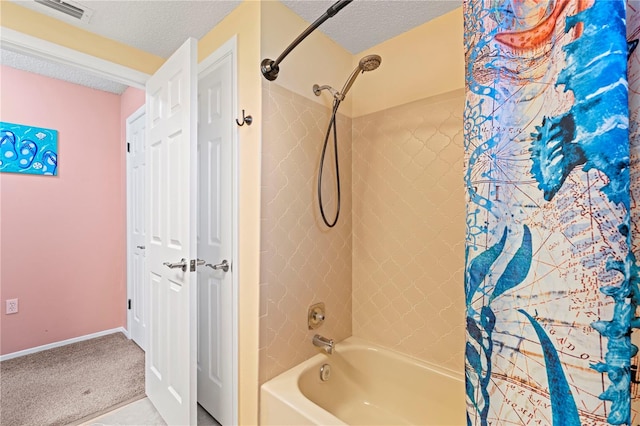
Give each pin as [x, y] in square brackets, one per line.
[368, 385]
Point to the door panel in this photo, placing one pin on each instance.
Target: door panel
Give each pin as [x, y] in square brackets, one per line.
[215, 140]
[136, 161]
[171, 198]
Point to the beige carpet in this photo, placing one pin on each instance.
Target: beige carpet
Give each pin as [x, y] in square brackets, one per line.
[70, 383]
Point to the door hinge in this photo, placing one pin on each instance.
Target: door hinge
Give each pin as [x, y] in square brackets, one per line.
[128, 147]
[129, 304]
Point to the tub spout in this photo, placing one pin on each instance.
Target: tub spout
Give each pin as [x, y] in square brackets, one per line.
[324, 343]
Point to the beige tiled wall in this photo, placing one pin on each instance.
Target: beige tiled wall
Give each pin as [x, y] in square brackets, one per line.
[302, 261]
[408, 229]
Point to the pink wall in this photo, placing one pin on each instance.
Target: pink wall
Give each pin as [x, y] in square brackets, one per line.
[62, 245]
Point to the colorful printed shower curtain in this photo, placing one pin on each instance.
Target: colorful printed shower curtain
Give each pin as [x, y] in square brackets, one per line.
[553, 222]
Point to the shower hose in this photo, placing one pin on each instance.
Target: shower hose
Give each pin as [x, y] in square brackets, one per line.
[332, 125]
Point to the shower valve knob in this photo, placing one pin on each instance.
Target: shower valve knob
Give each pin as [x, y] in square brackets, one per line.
[316, 315]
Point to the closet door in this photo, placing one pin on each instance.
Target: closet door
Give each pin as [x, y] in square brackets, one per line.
[171, 213]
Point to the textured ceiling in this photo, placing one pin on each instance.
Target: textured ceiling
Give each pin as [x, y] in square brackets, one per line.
[157, 27]
[365, 23]
[160, 27]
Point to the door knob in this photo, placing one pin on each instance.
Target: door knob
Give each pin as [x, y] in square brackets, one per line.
[183, 264]
[223, 266]
[140, 247]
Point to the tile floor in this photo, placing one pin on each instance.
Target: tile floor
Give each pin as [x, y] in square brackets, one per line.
[142, 413]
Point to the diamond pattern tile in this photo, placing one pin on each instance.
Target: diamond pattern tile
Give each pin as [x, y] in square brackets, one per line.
[408, 229]
[392, 270]
[302, 262]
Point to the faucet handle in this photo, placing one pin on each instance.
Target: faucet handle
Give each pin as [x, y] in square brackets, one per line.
[315, 315]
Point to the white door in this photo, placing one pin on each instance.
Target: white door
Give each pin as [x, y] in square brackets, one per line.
[171, 209]
[215, 299]
[137, 289]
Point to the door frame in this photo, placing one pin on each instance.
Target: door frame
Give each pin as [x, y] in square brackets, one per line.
[230, 48]
[130, 119]
[43, 49]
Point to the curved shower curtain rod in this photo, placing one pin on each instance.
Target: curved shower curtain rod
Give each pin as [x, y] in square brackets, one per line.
[270, 67]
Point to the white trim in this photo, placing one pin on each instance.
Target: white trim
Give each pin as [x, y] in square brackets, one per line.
[63, 343]
[235, 230]
[33, 46]
[129, 249]
[230, 47]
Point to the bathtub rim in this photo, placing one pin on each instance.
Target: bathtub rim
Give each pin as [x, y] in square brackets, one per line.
[354, 342]
[284, 387]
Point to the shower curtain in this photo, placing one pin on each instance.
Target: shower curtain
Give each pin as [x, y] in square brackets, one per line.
[552, 172]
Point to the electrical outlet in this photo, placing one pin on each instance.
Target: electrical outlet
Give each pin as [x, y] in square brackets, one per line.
[12, 306]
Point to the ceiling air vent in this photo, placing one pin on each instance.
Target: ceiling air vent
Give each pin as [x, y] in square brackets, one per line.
[70, 8]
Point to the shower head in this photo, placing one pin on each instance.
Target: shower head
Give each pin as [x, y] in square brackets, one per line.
[368, 63]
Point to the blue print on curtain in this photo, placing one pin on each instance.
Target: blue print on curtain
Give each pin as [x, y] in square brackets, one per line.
[633, 77]
[28, 149]
[550, 281]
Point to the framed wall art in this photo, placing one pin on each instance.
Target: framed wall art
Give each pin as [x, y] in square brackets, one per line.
[28, 149]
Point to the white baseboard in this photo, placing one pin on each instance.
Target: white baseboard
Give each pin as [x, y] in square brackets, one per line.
[125, 332]
[63, 342]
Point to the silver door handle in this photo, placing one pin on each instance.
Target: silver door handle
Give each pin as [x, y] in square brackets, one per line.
[224, 266]
[140, 247]
[183, 264]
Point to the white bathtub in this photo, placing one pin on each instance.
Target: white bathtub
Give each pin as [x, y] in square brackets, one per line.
[369, 385]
